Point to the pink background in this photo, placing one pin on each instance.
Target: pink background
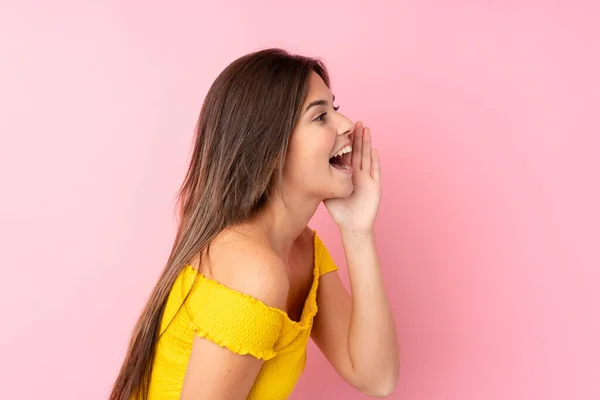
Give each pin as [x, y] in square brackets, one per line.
[486, 115]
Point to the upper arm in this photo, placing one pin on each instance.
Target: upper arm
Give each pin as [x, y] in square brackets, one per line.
[215, 371]
[332, 324]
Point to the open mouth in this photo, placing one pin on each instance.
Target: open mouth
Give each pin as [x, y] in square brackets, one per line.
[342, 159]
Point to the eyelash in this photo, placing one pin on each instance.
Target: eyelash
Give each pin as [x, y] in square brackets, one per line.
[324, 114]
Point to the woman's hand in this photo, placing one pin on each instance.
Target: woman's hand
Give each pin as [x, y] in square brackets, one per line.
[357, 212]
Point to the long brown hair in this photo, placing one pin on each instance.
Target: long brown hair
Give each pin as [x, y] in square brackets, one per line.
[240, 146]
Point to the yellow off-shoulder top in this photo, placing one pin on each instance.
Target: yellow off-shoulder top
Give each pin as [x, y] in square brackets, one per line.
[240, 323]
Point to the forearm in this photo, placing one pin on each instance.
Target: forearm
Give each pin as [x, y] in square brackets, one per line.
[372, 340]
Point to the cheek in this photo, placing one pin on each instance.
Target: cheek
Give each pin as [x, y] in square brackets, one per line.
[311, 153]
[319, 157]
[323, 147]
[308, 156]
[307, 167]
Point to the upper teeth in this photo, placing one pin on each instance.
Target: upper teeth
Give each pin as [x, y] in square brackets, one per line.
[343, 150]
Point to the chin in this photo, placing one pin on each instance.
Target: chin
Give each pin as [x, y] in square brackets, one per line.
[342, 191]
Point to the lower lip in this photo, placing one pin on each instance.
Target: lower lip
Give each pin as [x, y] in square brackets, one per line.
[347, 170]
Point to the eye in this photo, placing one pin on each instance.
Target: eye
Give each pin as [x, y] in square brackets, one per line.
[321, 117]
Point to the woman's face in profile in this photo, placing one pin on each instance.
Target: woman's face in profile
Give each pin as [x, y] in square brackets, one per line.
[320, 133]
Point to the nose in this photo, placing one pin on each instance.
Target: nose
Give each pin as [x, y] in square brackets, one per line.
[346, 126]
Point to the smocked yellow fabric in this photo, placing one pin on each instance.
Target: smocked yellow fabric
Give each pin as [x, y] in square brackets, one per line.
[238, 322]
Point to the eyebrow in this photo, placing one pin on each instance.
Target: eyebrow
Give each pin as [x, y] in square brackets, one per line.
[317, 103]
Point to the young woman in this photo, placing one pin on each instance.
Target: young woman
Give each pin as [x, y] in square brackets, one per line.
[248, 282]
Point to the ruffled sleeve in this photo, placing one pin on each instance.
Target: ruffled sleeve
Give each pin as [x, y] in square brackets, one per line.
[234, 320]
[322, 256]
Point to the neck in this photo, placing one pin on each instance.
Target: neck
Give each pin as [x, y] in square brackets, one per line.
[284, 219]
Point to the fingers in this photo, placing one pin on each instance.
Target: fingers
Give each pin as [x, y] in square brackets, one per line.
[366, 150]
[357, 145]
[375, 165]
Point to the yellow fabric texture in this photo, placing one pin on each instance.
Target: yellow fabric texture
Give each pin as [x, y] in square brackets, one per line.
[238, 322]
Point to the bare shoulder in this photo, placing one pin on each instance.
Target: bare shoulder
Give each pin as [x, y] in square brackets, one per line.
[249, 267]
